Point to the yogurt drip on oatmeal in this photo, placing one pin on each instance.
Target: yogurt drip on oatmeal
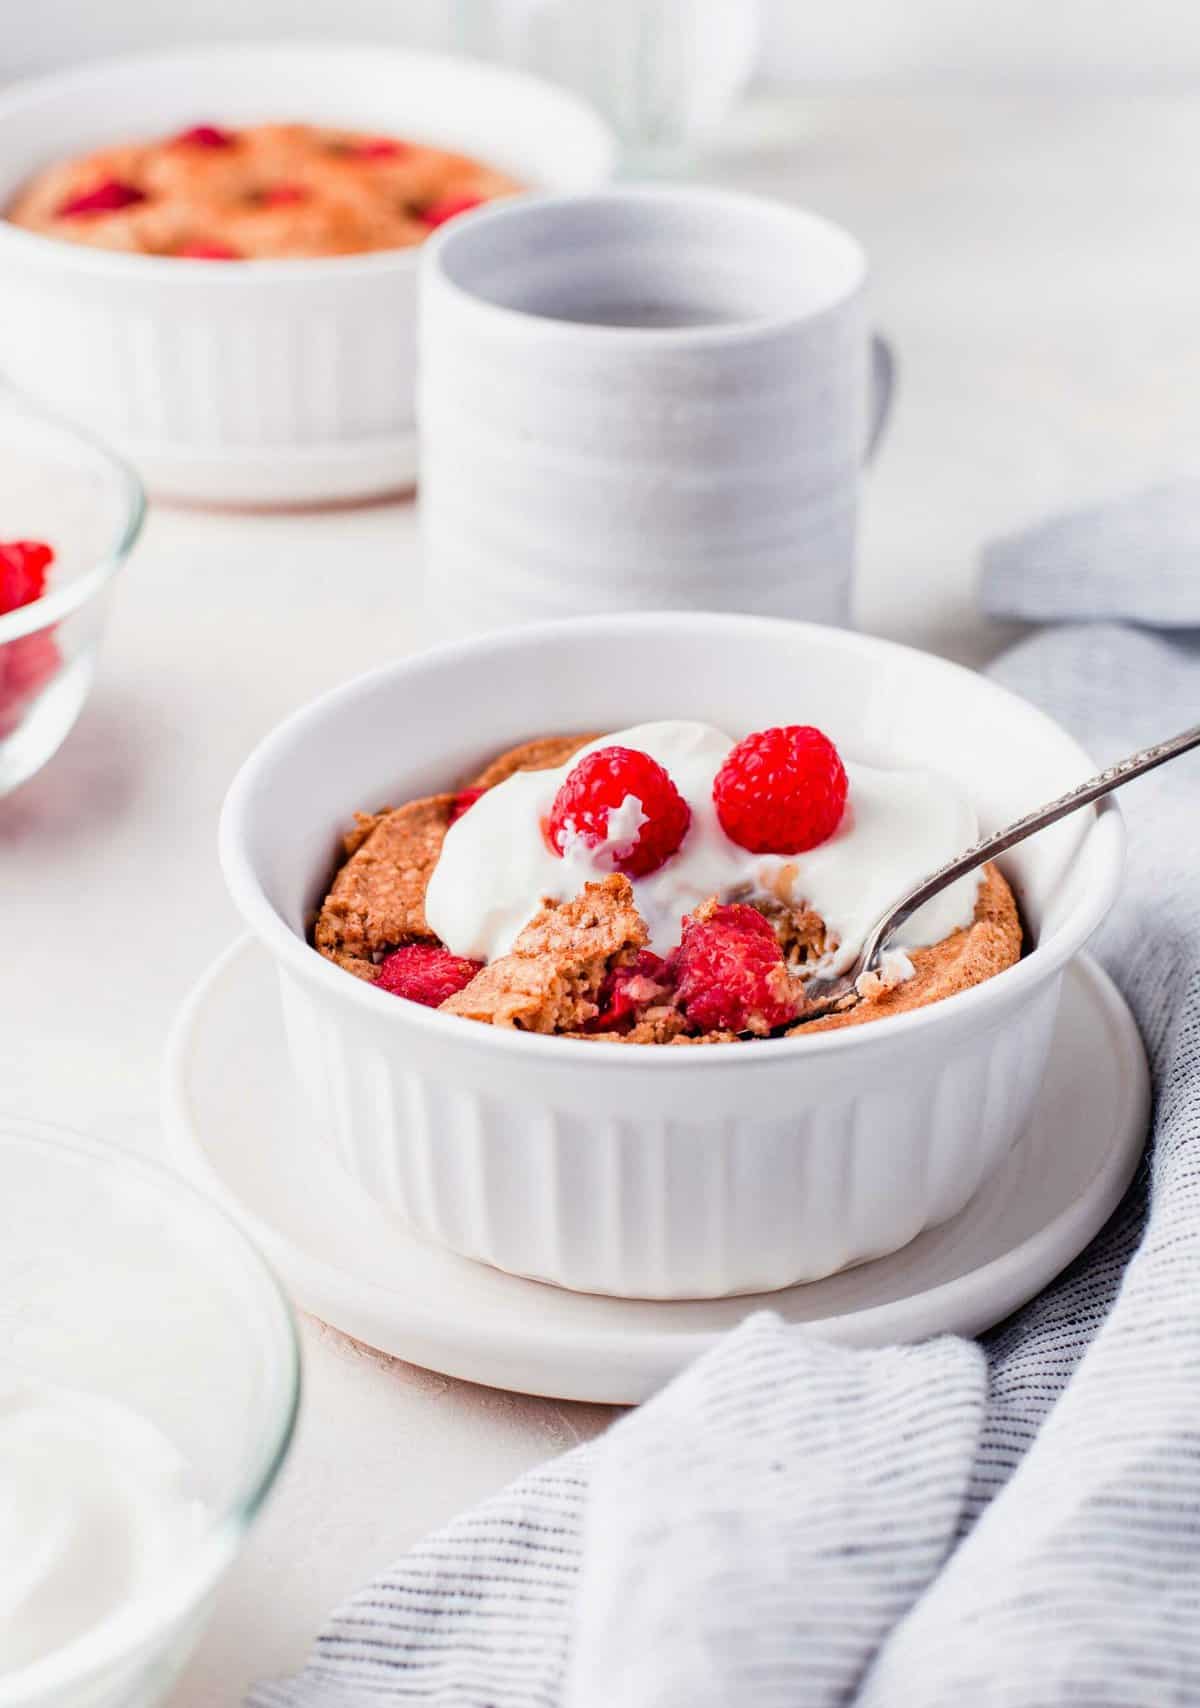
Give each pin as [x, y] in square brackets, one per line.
[496, 867]
[94, 1510]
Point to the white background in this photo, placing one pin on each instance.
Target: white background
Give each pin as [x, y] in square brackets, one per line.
[1023, 176]
[1065, 42]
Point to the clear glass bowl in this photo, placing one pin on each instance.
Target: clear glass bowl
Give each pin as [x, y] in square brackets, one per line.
[58, 486]
[119, 1281]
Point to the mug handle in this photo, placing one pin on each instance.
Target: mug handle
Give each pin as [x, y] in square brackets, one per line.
[883, 386]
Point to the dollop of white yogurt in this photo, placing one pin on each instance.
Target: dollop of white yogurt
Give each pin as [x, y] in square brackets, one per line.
[95, 1507]
[496, 866]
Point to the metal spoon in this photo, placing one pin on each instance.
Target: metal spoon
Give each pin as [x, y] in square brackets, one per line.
[822, 995]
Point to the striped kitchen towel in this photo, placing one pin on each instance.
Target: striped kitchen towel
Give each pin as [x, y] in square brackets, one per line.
[1010, 1524]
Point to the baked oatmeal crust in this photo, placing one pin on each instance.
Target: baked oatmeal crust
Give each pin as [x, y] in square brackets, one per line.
[551, 980]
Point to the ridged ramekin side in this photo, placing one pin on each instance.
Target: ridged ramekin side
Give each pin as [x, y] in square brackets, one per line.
[161, 363]
[715, 1196]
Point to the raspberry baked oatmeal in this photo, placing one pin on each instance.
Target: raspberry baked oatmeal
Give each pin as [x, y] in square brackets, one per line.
[664, 885]
[267, 191]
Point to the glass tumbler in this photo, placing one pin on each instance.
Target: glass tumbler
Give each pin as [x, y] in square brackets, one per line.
[663, 72]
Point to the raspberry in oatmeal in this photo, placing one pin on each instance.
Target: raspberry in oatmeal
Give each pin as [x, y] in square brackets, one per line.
[425, 973]
[730, 975]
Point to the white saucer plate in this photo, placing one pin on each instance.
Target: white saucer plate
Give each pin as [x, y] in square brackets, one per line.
[233, 1124]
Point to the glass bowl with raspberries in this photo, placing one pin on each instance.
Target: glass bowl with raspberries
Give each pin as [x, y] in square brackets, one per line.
[69, 515]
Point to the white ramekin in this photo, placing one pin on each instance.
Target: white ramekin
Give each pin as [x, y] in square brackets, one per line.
[663, 1173]
[266, 381]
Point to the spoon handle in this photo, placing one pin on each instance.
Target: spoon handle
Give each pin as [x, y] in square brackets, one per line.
[1103, 783]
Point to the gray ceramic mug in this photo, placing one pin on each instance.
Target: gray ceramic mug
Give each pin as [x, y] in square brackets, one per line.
[643, 398]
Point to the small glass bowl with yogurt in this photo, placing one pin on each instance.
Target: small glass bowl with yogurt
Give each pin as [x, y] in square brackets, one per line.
[62, 490]
[149, 1381]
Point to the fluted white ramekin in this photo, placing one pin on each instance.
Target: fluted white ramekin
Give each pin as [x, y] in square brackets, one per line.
[264, 381]
[663, 1173]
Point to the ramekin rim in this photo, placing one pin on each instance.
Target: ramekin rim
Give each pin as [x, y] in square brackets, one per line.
[79, 259]
[296, 953]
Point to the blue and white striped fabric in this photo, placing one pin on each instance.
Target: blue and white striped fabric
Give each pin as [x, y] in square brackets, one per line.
[1014, 1524]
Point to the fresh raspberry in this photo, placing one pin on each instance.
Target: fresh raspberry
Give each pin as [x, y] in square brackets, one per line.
[27, 663]
[378, 148]
[283, 195]
[601, 782]
[437, 213]
[627, 990]
[781, 791]
[108, 197]
[425, 973]
[730, 974]
[23, 565]
[202, 250]
[204, 136]
[463, 802]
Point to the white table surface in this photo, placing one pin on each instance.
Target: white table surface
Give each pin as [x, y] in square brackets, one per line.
[1037, 262]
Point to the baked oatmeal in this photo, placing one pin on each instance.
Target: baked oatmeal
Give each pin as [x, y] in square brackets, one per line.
[256, 192]
[664, 885]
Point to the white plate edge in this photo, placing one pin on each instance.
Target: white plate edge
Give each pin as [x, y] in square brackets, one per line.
[633, 1369]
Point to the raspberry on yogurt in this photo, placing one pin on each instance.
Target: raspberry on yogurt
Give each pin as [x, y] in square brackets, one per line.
[623, 804]
[781, 791]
